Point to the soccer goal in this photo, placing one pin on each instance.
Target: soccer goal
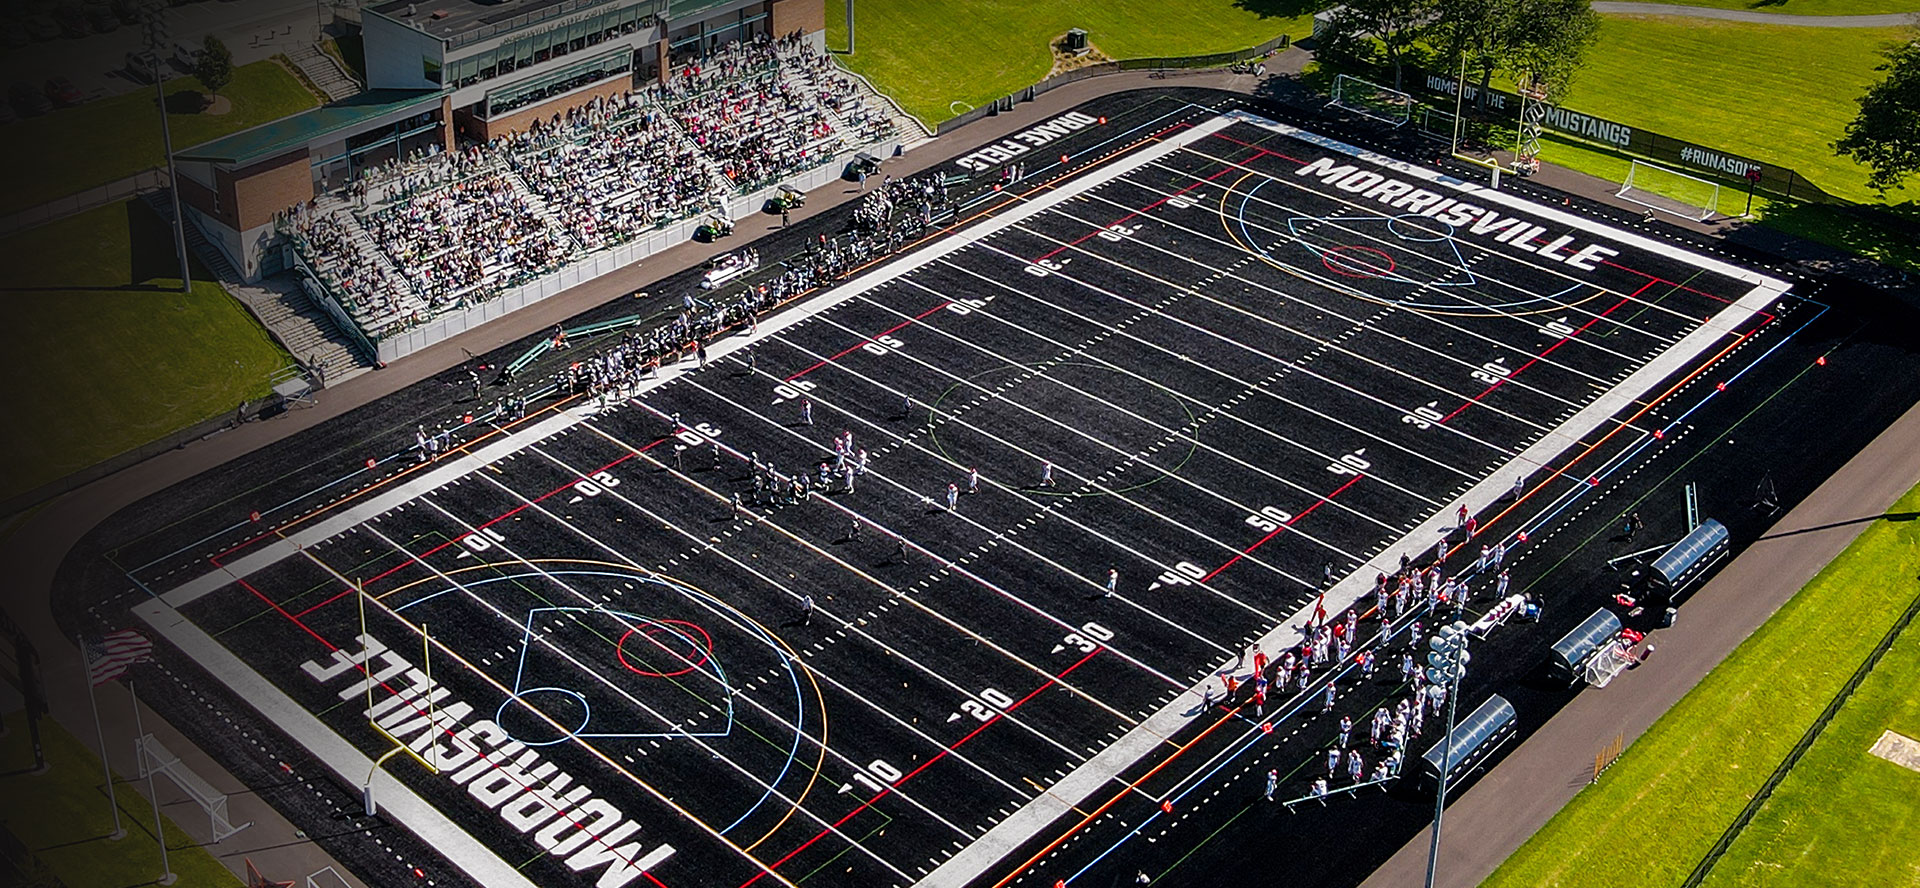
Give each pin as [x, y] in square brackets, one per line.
[1369, 99]
[1609, 661]
[1670, 191]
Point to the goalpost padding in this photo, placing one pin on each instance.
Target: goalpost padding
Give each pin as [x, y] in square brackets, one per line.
[1670, 191]
[1369, 99]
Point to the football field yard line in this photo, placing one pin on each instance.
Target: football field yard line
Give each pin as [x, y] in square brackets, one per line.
[1244, 385]
[1036, 459]
[582, 743]
[1072, 790]
[997, 396]
[1083, 351]
[1298, 368]
[1349, 290]
[894, 786]
[1320, 342]
[845, 623]
[836, 754]
[1003, 536]
[889, 588]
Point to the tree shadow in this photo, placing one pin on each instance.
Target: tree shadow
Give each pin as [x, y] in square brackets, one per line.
[188, 101]
[1282, 8]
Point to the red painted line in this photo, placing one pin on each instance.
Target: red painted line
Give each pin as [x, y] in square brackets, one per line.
[1264, 151]
[331, 647]
[1290, 522]
[1082, 238]
[924, 765]
[853, 348]
[497, 519]
[1549, 350]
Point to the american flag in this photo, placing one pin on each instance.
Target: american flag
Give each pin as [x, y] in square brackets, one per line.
[112, 654]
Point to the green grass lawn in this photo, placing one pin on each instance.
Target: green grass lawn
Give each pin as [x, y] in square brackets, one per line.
[73, 149]
[109, 353]
[929, 55]
[1808, 7]
[1843, 818]
[1816, 222]
[1777, 94]
[62, 816]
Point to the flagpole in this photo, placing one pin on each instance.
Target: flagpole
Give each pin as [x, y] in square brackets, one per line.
[140, 751]
[113, 803]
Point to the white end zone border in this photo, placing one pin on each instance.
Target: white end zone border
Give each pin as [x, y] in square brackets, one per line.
[399, 802]
[1073, 789]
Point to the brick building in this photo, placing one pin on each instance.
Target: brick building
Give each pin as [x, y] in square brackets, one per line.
[442, 70]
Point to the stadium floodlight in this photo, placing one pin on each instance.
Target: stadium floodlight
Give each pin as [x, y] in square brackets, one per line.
[1447, 664]
[1670, 191]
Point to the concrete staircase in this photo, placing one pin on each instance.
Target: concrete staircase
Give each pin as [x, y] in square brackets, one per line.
[306, 330]
[324, 72]
[279, 303]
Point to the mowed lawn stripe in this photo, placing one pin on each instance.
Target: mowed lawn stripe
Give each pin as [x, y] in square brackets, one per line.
[1674, 791]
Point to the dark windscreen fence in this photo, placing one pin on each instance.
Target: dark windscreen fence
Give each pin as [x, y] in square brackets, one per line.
[1575, 647]
[1679, 567]
[1474, 739]
[1730, 169]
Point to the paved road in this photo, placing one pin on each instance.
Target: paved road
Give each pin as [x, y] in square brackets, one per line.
[1885, 20]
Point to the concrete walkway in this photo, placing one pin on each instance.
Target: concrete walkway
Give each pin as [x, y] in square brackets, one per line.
[1884, 20]
[1518, 797]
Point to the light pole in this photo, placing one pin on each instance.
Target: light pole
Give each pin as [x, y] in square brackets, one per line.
[156, 35]
[1446, 665]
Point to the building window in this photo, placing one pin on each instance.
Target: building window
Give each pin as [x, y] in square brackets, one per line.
[430, 69]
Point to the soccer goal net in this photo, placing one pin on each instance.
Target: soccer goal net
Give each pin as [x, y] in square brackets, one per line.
[1670, 191]
[1369, 99]
[1606, 663]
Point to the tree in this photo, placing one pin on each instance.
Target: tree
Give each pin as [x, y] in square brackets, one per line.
[1468, 34]
[1542, 42]
[1886, 134]
[213, 65]
[1397, 24]
[1546, 41]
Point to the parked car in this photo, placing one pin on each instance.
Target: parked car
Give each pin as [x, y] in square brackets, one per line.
[63, 93]
[42, 27]
[28, 101]
[185, 56]
[140, 67]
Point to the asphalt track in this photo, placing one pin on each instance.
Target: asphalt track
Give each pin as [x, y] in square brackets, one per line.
[960, 680]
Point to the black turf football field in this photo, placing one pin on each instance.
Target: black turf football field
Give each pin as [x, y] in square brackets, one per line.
[1246, 384]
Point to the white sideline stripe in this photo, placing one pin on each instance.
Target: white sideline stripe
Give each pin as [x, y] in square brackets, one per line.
[1009, 834]
[398, 801]
[467, 464]
[393, 498]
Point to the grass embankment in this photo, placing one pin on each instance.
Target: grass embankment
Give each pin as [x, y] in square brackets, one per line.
[62, 817]
[104, 350]
[1841, 818]
[938, 59]
[70, 150]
